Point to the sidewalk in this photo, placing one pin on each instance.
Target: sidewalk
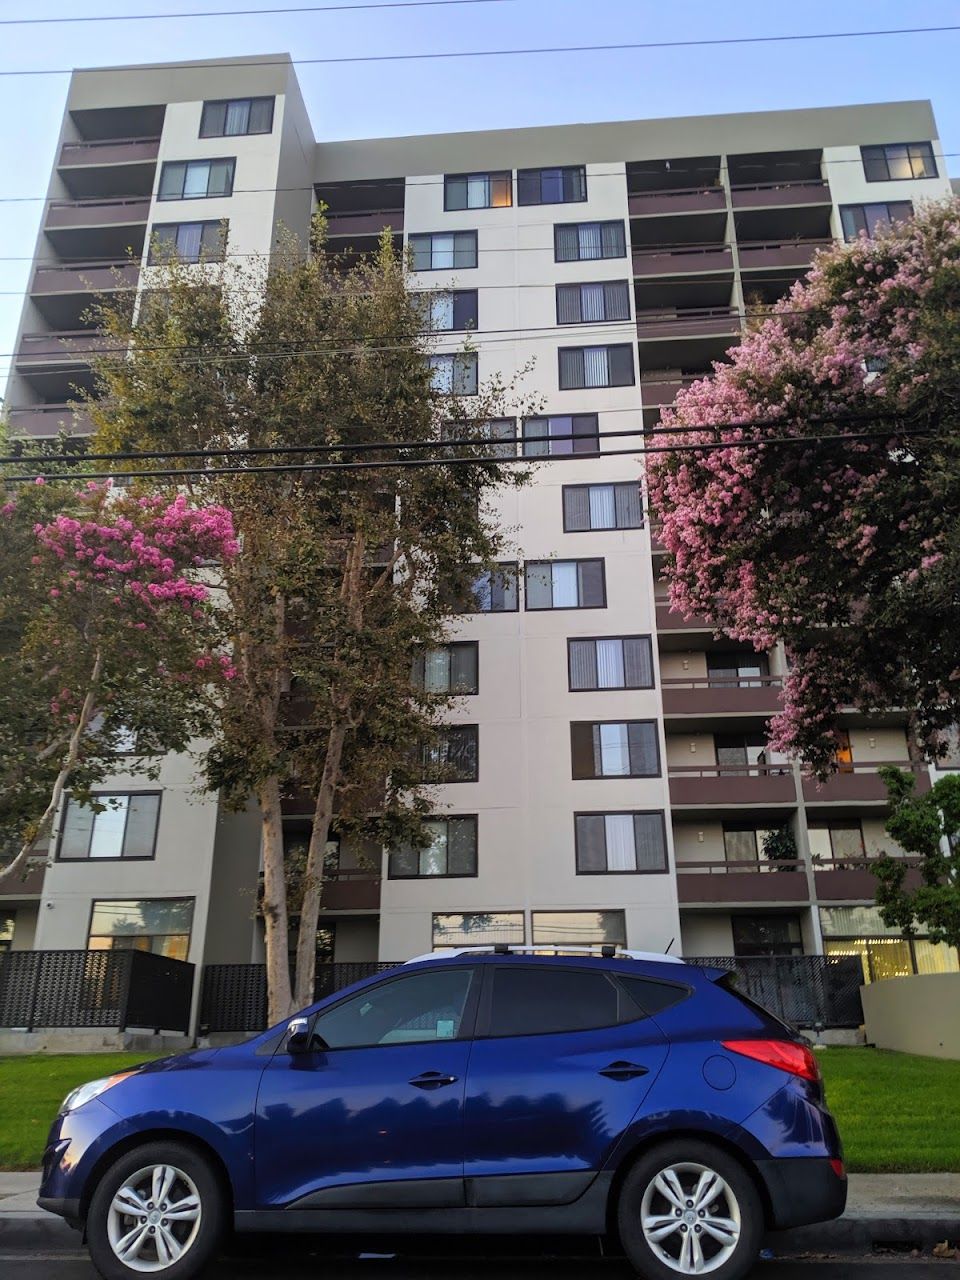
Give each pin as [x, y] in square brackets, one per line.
[919, 1209]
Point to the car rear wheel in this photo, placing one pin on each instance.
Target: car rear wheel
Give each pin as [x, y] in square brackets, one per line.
[158, 1211]
[687, 1208]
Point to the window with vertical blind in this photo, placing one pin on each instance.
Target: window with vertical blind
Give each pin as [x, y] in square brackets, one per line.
[452, 756]
[873, 218]
[444, 250]
[448, 310]
[592, 303]
[455, 374]
[564, 185]
[602, 506]
[187, 241]
[196, 179]
[614, 749]
[501, 432]
[451, 850]
[610, 662]
[560, 434]
[584, 367]
[124, 825]
[565, 584]
[478, 190]
[447, 668]
[233, 117]
[588, 241]
[495, 590]
[620, 842]
[898, 162]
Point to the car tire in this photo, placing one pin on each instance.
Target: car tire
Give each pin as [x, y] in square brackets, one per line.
[688, 1208]
[129, 1234]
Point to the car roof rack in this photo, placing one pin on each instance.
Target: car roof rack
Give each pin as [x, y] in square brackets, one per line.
[606, 951]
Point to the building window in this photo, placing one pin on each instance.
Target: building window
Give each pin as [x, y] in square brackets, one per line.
[614, 749]
[444, 250]
[591, 303]
[449, 310]
[565, 185]
[188, 241]
[583, 367]
[452, 756]
[743, 842]
[579, 928]
[234, 117]
[448, 668]
[125, 827]
[451, 850]
[736, 752]
[588, 241]
[602, 506]
[744, 669]
[620, 842]
[898, 162]
[456, 374]
[870, 219]
[495, 590]
[501, 432]
[883, 951]
[561, 434]
[478, 190]
[614, 662]
[160, 925]
[767, 936]
[196, 179]
[478, 928]
[8, 920]
[836, 843]
[565, 584]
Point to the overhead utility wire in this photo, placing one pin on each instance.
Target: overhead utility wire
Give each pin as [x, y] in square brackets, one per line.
[237, 13]
[717, 42]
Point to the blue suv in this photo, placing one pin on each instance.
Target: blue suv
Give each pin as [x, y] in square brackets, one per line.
[491, 1091]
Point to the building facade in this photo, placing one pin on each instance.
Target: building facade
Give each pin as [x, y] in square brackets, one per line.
[617, 786]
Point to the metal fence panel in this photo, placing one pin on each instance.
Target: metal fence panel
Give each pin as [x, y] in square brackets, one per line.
[233, 997]
[806, 991]
[160, 993]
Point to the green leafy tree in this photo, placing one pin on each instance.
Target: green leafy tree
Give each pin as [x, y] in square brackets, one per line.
[928, 826]
[341, 576]
[779, 845]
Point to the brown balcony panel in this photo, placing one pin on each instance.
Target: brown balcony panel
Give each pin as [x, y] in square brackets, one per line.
[788, 253]
[109, 151]
[774, 195]
[46, 420]
[63, 214]
[757, 696]
[74, 346]
[861, 784]
[850, 879]
[709, 882]
[753, 784]
[364, 224]
[674, 260]
[667, 620]
[689, 200]
[695, 322]
[23, 886]
[352, 891]
[82, 277]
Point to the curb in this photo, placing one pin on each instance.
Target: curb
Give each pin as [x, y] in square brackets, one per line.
[862, 1234]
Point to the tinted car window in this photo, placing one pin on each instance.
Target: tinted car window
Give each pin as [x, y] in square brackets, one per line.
[424, 1006]
[652, 996]
[530, 1001]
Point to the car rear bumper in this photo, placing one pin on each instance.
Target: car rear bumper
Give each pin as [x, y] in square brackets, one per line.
[801, 1191]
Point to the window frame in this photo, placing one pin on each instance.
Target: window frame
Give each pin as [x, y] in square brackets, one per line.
[792, 948]
[862, 205]
[510, 911]
[223, 228]
[571, 640]
[452, 781]
[191, 898]
[603, 484]
[625, 813]
[593, 437]
[527, 175]
[225, 102]
[454, 294]
[491, 176]
[600, 223]
[577, 560]
[207, 195]
[884, 147]
[502, 564]
[431, 236]
[473, 818]
[614, 777]
[459, 363]
[448, 645]
[592, 346]
[585, 284]
[61, 830]
[577, 911]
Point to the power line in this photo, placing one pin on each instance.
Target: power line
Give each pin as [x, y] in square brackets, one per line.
[353, 59]
[237, 13]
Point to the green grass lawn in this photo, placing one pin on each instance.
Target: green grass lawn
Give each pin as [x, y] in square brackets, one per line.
[896, 1113]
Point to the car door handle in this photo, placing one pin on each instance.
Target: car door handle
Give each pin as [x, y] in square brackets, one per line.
[432, 1080]
[623, 1071]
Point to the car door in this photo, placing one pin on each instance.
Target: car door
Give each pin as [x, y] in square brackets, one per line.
[373, 1117]
[561, 1065]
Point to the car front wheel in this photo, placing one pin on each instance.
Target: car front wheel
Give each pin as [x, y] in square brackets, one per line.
[689, 1209]
[158, 1211]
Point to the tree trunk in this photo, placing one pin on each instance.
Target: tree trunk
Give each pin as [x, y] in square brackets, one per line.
[313, 875]
[280, 1002]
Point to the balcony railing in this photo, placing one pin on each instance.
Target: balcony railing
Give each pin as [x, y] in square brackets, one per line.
[688, 322]
[755, 254]
[351, 891]
[729, 784]
[108, 151]
[681, 200]
[67, 346]
[760, 881]
[660, 391]
[667, 620]
[368, 223]
[860, 783]
[125, 211]
[705, 696]
[840, 879]
[44, 420]
[86, 277]
[770, 195]
[681, 259]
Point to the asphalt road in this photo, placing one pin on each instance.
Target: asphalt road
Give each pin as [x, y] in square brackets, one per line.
[264, 1265]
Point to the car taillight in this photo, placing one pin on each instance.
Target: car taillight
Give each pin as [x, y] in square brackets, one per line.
[786, 1055]
[838, 1169]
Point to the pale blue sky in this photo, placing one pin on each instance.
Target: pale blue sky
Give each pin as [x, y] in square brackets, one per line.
[369, 100]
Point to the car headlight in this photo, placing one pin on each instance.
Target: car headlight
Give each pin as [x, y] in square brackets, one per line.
[92, 1089]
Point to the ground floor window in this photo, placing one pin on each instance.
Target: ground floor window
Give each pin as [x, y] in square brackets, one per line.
[7, 921]
[160, 925]
[884, 952]
[579, 928]
[478, 928]
[766, 935]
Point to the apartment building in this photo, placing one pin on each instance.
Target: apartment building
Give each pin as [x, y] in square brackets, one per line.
[616, 783]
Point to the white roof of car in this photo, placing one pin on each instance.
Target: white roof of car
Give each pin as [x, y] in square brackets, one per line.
[605, 952]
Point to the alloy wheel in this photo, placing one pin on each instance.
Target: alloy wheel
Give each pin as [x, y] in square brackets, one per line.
[154, 1218]
[690, 1218]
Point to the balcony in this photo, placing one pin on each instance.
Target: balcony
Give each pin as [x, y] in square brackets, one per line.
[64, 347]
[758, 255]
[683, 200]
[850, 879]
[750, 695]
[351, 891]
[667, 620]
[369, 223]
[98, 228]
[63, 293]
[682, 259]
[656, 392]
[778, 195]
[109, 151]
[21, 886]
[709, 883]
[109, 167]
[860, 784]
[45, 421]
[729, 786]
[688, 322]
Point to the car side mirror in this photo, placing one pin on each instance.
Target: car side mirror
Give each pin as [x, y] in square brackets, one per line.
[299, 1038]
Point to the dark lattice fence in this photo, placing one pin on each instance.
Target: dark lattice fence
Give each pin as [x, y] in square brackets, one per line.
[233, 997]
[110, 989]
[804, 990]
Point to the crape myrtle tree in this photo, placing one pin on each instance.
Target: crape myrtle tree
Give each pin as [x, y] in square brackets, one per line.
[845, 542]
[108, 643]
[342, 576]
